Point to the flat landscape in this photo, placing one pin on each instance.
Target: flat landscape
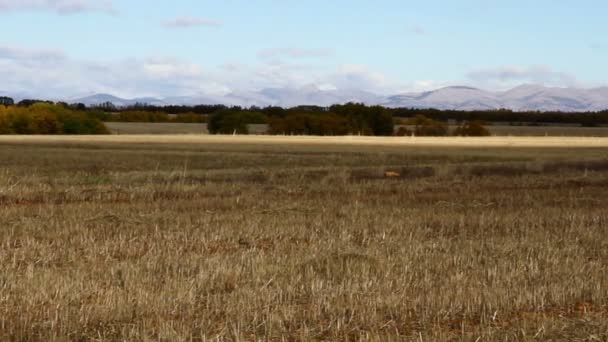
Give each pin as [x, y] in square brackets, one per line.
[497, 129]
[243, 238]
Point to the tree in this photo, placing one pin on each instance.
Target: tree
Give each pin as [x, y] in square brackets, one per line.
[78, 106]
[106, 106]
[44, 118]
[227, 122]
[6, 101]
[382, 121]
[30, 102]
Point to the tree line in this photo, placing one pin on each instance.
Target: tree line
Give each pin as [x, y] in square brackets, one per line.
[46, 118]
[587, 119]
[306, 120]
[495, 115]
[350, 118]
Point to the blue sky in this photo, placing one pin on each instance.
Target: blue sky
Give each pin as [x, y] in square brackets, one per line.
[63, 48]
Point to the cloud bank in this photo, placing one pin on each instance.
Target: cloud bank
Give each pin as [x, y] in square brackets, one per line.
[59, 6]
[507, 76]
[293, 53]
[189, 22]
[51, 73]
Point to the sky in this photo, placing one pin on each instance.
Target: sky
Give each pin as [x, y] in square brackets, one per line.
[134, 48]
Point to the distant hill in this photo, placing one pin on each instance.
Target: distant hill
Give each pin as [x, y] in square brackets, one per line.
[525, 97]
[117, 101]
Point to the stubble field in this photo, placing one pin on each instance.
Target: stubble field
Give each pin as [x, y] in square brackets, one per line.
[239, 239]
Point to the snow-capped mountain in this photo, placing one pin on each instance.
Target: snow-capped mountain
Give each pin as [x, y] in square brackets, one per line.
[463, 98]
[309, 95]
[533, 97]
[525, 97]
[285, 97]
[117, 101]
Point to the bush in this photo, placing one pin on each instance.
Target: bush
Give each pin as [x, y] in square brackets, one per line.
[472, 129]
[5, 123]
[402, 132]
[428, 127]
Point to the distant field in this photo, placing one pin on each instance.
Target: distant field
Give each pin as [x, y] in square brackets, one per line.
[549, 131]
[167, 128]
[260, 238]
[539, 131]
[156, 128]
[500, 130]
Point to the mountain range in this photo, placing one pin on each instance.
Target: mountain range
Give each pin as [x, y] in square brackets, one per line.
[525, 97]
[522, 98]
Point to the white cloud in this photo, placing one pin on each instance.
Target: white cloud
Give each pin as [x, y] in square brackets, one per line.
[49, 73]
[508, 76]
[171, 68]
[189, 22]
[59, 6]
[293, 53]
[355, 76]
[417, 30]
[24, 54]
[280, 75]
[28, 71]
[232, 67]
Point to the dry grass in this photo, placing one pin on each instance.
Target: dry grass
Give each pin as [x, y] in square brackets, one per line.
[542, 142]
[134, 239]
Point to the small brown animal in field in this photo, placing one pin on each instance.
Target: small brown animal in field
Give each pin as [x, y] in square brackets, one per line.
[391, 174]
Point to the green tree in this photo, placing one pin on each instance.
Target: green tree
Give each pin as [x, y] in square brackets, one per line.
[227, 122]
[6, 101]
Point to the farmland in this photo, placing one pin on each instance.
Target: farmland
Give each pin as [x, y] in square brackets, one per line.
[196, 237]
[495, 129]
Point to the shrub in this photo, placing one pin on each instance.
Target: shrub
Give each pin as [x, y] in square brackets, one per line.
[41, 122]
[5, 124]
[472, 129]
[402, 132]
[424, 126]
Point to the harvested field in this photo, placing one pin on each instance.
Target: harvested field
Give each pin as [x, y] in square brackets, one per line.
[303, 238]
